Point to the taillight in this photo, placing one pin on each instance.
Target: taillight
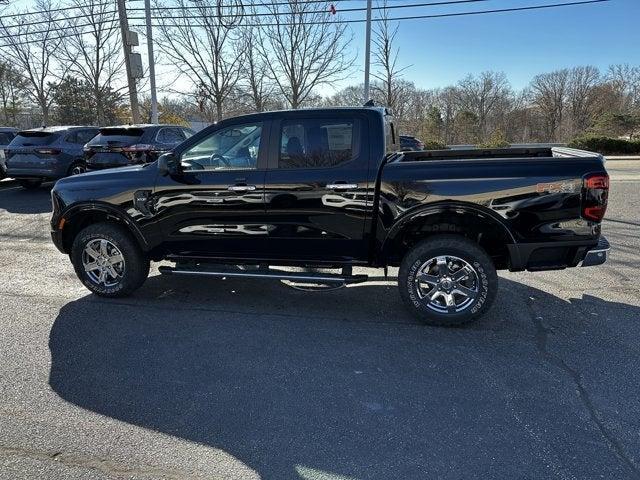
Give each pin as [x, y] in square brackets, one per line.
[140, 147]
[47, 151]
[595, 193]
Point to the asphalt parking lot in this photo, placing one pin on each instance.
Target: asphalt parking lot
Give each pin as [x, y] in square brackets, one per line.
[248, 379]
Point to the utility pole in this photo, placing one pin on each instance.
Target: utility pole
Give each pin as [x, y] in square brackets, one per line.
[152, 67]
[367, 54]
[126, 46]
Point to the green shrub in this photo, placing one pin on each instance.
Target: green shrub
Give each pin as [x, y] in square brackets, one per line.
[497, 140]
[607, 145]
[434, 145]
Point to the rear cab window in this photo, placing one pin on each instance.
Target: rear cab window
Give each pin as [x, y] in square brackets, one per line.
[317, 142]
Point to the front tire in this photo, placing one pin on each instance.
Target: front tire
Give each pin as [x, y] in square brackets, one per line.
[108, 260]
[447, 280]
[30, 184]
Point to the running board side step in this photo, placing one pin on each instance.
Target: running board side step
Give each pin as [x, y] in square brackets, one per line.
[267, 273]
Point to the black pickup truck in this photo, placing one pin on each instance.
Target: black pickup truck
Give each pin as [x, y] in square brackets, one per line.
[326, 190]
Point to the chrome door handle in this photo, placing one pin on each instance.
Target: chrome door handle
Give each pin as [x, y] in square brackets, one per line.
[342, 186]
[241, 188]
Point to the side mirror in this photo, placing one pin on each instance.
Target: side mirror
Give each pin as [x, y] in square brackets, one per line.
[168, 164]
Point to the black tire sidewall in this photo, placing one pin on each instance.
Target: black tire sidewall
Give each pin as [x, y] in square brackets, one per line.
[459, 247]
[76, 164]
[30, 184]
[136, 265]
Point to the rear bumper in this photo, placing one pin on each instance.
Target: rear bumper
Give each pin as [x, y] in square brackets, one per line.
[557, 255]
[596, 255]
[52, 172]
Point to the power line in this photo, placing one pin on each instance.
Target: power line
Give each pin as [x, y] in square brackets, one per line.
[413, 17]
[54, 10]
[267, 14]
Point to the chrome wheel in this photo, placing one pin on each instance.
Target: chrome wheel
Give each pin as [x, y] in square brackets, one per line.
[103, 262]
[78, 169]
[447, 284]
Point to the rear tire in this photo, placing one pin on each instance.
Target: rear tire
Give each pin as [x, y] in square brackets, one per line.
[77, 168]
[30, 184]
[447, 280]
[108, 260]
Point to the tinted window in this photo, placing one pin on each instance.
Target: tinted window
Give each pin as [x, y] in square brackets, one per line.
[117, 136]
[170, 135]
[315, 143]
[83, 136]
[27, 138]
[6, 137]
[232, 148]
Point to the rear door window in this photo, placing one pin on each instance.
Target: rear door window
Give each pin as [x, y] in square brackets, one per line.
[83, 136]
[6, 137]
[31, 139]
[312, 143]
[170, 136]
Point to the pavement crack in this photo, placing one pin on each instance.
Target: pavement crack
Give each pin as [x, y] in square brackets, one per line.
[104, 465]
[541, 338]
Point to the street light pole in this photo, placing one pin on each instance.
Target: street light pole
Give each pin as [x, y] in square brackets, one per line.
[367, 54]
[152, 67]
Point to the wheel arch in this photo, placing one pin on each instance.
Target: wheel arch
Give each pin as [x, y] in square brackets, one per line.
[469, 220]
[80, 216]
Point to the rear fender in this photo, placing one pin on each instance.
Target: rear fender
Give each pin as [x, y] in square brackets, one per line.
[422, 214]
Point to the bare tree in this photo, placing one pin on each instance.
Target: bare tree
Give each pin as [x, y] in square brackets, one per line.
[254, 80]
[91, 51]
[485, 97]
[29, 45]
[625, 80]
[207, 52]
[303, 48]
[581, 97]
[385, 56]
[12, 93]
[549, 95]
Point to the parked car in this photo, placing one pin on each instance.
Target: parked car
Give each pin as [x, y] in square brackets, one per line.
[49, 153]
[409, 143]
[6, 135]
[132, 144]
[327, 187]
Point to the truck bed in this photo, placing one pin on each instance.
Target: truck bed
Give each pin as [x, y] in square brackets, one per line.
[494, 153]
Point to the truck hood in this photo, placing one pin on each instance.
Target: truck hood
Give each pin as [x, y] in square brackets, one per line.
[106, 185]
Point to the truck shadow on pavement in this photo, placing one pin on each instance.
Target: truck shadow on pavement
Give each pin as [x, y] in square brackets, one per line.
[344, 383]
[15, 199]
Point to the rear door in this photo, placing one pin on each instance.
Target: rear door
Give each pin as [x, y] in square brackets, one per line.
[317, 190]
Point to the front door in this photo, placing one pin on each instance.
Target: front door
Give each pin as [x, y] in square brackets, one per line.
[317, 189]
[215, 206]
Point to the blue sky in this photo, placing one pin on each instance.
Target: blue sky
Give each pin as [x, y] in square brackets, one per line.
[521, 44]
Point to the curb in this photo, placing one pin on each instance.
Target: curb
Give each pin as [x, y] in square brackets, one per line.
[614, 158]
